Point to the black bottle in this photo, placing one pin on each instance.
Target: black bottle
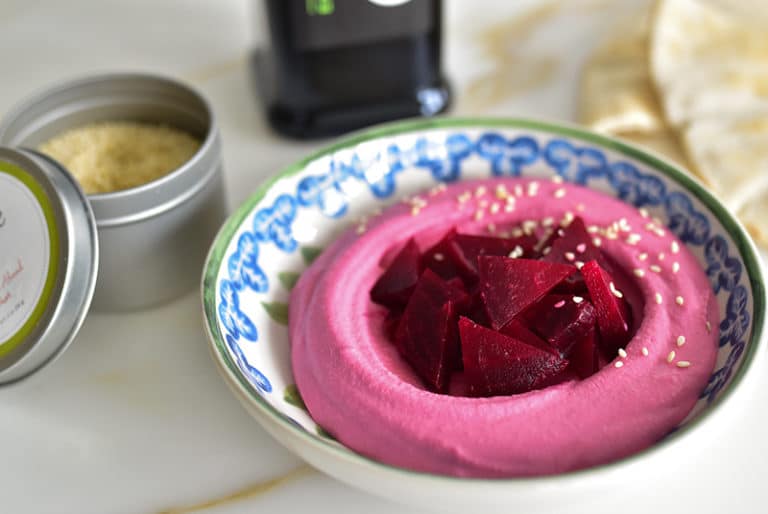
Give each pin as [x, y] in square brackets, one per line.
[337, 65]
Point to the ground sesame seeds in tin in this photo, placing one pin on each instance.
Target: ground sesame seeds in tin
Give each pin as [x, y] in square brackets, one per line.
[679, 300]
[671, 356]
[680, 341]
[618, 364]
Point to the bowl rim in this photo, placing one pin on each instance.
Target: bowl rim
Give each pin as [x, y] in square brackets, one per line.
[732, 226]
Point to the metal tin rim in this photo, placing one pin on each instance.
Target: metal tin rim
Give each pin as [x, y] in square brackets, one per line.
[78, 260]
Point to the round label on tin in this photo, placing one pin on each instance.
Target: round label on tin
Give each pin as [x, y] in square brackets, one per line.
[28, 254]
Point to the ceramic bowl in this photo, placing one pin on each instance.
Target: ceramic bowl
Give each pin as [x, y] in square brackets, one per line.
[263, 248]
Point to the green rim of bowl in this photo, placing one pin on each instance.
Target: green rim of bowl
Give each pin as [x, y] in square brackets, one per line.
[732, 226]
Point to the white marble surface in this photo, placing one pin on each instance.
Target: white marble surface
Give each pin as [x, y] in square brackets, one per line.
[134, 418]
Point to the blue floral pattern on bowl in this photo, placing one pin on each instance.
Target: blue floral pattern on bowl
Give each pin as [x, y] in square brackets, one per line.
[333, 188]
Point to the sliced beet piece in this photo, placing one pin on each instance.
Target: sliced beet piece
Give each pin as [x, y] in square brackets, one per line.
[613, 314]
[561, 320]
[571, 244]
[442, 257]
[585, 356]
[517, 330]
[508, 286]
[471, 247]
[427, 336]
[395, 285]
[495, 364]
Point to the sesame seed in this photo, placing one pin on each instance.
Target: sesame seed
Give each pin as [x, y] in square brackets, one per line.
[709, 327]
[495, 208]
[518, 190]
[578, 264]
[638, 272]
[516, 252]
[581, 247]
[633, 239]
[517, 232]
[655, 268]
[480, 191]
[438, 256]
[622, 353]
[644, 351]
[567, 219]
[580, 207]
[483, 203]
[616, 292]
[533, 188]
[643, 212]
[557, 179]
[674, 247]
[578, 299]
[618, 364]
[642, 256]
[560, 232]
[360, 229]
[559, 193]
[679, 300]
[464, 197]
[680, 340]
[611, 234]
[657, 220]
[546, 250]
[415, 211]
[491, 227]
[683, 364]
[675, 267]
[569, 256]
[660, 232]
[597, 241]
[661, 256]
[501, 192]
[671, 356]
[559, 304]
[548, 221]
[479, 215]
[658, 298]
[593, 229]
[509, 207]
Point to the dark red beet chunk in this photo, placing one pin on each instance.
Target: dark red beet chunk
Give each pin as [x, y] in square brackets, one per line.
[561, 321]
[612, 312]
[516, 330]
[427, 335]
[442, 257]
[495, 364]
[471, 247]
[585, 356]
[509, 286]
[572, 243]
[395, 285]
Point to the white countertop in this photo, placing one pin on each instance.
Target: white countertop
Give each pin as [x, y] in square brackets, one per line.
[134, 417]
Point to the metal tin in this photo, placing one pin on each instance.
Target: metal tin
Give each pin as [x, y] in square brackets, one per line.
[48, 261]
[153, 238]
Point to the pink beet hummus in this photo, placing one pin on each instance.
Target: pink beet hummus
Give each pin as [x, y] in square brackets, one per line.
[358, 388]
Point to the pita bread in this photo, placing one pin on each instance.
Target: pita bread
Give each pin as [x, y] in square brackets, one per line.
[706, 62]
[617, 95]
[731, 155]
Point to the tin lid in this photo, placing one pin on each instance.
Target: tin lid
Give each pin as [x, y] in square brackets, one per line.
[48, 261]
